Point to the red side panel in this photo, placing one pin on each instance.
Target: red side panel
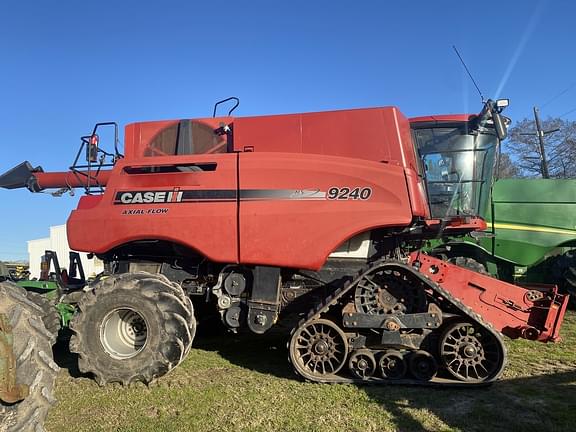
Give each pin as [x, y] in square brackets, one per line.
[204, 219]
[287, 218]
[308, 182]
[376, 134]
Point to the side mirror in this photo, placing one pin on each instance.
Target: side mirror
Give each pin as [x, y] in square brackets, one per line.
[92, 149]
[492, 110]
[499, 125]
[499, 122]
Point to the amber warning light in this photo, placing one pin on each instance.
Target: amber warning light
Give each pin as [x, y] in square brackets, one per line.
[92, 150]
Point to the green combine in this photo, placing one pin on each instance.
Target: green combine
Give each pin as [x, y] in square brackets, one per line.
[57, 289]
[531, 235]
[55, 292]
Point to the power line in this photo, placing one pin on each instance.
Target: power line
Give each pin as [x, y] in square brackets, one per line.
[568, 112]
[566, 90]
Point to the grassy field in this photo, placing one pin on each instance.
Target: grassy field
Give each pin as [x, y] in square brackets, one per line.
[238, 384]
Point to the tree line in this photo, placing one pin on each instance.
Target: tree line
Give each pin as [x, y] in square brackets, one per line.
[521, 157]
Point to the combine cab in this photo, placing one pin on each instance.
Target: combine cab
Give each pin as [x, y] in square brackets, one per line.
[319, 216]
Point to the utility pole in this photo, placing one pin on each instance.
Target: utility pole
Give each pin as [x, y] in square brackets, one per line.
[540, 133]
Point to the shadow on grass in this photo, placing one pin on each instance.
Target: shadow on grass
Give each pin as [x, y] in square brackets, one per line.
[64, 358]
[539, 403]
[265, 354]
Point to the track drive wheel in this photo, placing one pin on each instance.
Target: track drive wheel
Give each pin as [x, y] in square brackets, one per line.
[318, 350]
[32, 348]
[470, 353]
[132, 327]
[384, 291]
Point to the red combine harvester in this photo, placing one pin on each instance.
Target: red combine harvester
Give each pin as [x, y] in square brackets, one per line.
[317, 215]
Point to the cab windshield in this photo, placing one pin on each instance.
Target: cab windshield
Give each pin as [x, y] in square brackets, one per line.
[458, 169]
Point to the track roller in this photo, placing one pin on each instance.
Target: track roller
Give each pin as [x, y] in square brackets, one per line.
[423, 365]
[392, 365]
[362, 364]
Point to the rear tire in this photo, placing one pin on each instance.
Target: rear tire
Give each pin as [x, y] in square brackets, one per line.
[50, 315]
[132, 327]
[34, 365]
[470, 264]
[564, 271]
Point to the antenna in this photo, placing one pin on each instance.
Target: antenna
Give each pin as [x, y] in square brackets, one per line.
[469, 74]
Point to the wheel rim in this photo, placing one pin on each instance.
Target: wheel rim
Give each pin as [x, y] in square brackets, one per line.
[392, 365]
[123, 333]
[319, 349]
[362, 364]
[471, 353]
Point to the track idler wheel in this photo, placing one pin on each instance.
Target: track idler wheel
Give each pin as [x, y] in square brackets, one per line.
[393, 365]
[318, 350]
[471, 353]
[362, 364]
[423, 365]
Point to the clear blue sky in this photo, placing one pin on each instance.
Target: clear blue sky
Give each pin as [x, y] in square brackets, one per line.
[66, 65]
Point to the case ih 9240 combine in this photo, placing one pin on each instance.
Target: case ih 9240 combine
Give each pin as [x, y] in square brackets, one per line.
[320, 215]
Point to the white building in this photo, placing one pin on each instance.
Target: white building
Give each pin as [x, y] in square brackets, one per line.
[58, 242]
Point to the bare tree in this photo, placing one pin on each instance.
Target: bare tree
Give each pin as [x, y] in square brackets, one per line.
[560, 147]
[506, 167]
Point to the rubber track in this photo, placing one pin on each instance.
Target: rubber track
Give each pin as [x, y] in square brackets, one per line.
[333, 299]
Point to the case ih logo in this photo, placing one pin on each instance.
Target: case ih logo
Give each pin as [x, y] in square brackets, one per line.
[149, 197]
[174, 196]
[178, 195]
